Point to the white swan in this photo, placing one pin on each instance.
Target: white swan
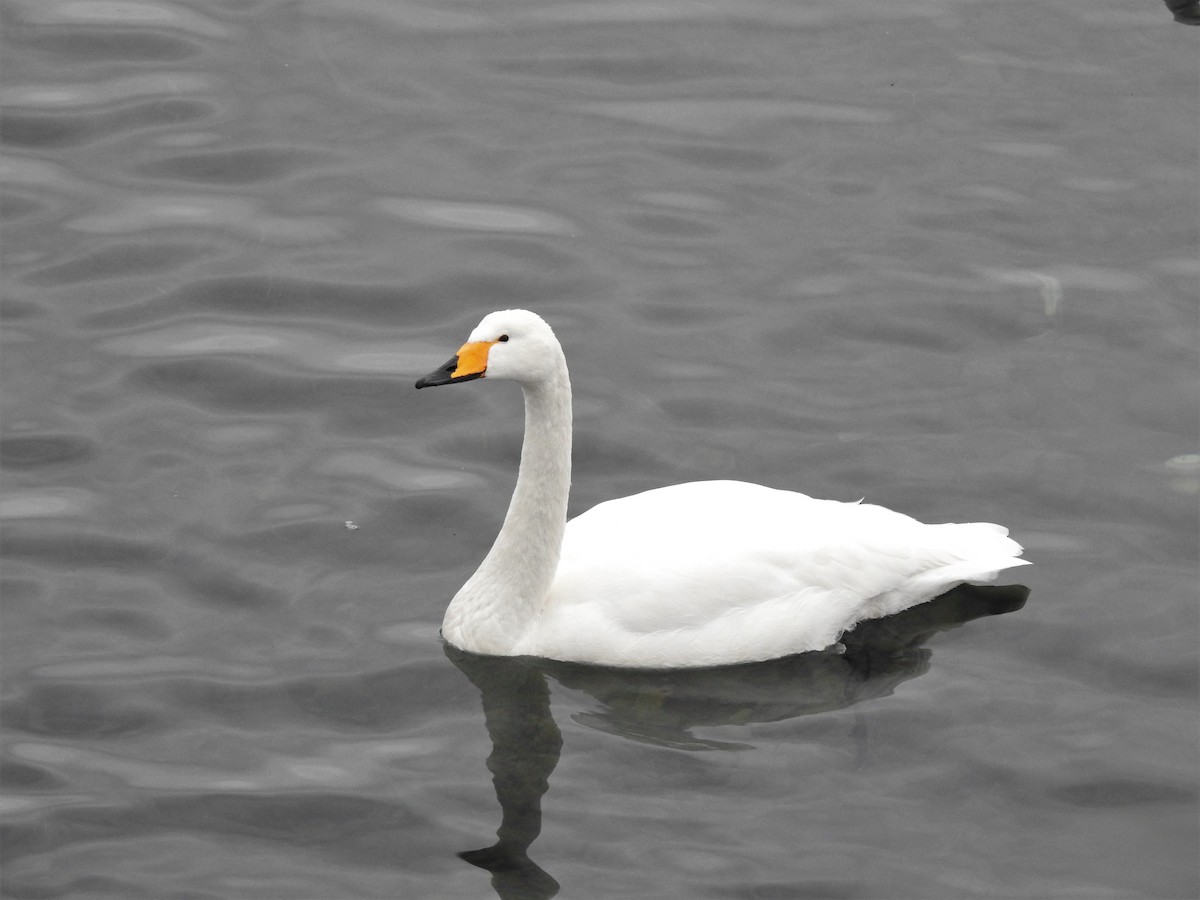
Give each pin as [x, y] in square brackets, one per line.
[699, 574]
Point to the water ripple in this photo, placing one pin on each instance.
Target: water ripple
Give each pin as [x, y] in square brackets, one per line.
[129, 14]
[477, 216]
[45, 503]
[306, 349]
[60, 129]
[35, 450]
[241, 216]
[715, 117]
[97, 93]
[247, 165]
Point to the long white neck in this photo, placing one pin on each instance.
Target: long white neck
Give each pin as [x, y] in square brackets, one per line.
[499, 603]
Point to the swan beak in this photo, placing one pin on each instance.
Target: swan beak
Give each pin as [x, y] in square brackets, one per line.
[470, 362]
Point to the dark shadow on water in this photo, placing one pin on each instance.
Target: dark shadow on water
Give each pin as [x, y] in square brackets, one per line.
[525, 748]
[1187, 12]
[661, 708]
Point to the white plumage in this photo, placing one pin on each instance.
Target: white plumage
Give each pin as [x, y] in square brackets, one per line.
[698, 574]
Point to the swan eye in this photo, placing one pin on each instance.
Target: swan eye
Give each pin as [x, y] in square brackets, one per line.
[503, 338]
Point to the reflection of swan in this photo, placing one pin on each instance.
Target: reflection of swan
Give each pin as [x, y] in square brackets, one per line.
[662, 707]
[1187, 12]
[698, 574]
[525, 748]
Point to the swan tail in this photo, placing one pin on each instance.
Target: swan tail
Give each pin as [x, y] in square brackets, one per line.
[973, 571]
[975, 553]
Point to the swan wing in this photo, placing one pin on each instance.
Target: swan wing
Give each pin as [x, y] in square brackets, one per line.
[720, 571]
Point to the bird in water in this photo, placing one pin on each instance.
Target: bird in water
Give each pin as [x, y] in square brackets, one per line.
[705, 573]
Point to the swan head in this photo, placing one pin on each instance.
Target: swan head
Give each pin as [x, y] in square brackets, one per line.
[512, 343]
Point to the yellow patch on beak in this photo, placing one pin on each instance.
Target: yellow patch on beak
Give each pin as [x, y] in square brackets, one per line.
[472, 358]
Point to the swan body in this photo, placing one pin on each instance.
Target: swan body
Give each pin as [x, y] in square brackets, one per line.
[699, 574]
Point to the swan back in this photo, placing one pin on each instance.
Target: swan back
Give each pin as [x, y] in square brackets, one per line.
[710, 573]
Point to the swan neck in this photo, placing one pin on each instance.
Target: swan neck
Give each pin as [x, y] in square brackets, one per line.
[503, 599]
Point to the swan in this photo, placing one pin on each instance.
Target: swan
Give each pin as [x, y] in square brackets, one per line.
[700, 574]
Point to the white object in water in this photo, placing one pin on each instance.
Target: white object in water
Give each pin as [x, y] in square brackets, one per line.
[699, 574]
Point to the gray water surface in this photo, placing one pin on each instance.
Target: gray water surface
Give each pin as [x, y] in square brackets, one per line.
[934, 253]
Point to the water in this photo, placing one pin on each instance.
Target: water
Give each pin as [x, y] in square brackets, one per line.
[938, 254]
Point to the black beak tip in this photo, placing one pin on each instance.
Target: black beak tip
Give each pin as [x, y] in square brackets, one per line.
[443, 374]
